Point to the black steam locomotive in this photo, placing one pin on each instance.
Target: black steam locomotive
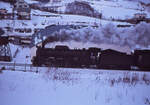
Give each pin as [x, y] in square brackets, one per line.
[62, 56]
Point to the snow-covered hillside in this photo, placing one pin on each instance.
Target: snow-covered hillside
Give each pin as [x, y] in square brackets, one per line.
[74, 86]
[120, 9]
[41, 19]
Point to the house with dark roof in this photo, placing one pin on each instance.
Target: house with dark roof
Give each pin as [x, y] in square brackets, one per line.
[4, 14]
[3, 11]
[23, 10]
[140, 15]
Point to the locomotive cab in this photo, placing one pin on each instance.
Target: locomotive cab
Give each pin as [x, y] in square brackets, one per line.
[94, 56]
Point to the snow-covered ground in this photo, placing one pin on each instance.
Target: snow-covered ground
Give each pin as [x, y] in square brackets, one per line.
[20, 54]
[74, 87]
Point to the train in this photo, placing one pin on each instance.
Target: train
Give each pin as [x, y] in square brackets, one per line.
[93, 57]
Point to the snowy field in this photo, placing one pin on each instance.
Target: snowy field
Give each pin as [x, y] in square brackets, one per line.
[52, 86]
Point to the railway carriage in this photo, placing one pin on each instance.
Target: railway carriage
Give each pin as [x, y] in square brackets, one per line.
[111, 59]
[142, 59]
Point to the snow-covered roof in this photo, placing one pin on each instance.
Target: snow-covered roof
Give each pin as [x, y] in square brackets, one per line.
[6, 6]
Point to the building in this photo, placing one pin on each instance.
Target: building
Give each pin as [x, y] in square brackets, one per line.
[5, 15]
[3, 11]
[23, 10]
[140, 15]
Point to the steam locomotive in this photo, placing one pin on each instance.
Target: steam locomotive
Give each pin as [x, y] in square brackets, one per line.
[62, 56]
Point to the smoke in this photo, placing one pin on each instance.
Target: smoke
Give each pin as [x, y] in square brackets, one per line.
[108, 34]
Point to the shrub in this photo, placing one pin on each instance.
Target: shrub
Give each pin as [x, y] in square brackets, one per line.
[126, 79]
[135, 78]
[146, 79]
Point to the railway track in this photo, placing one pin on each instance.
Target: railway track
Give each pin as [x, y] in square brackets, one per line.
[30, 68]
